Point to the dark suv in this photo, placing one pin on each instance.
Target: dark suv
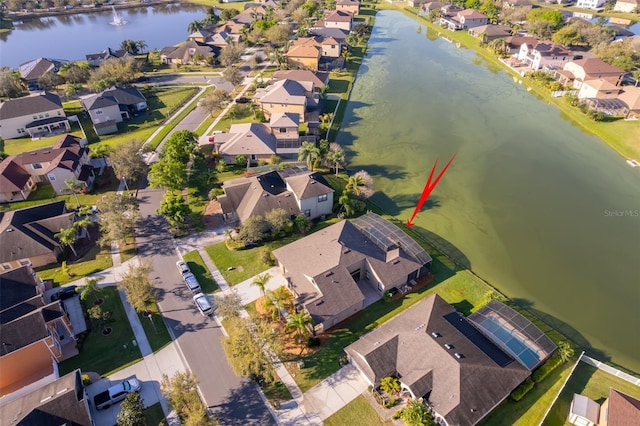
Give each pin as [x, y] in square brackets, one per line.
[65, 293]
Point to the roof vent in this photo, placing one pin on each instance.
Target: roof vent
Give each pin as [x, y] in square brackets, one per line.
[287, 195]
[328, 274]
[319, 302]
[448, 345]
[376, 343]
[436, 334]
[346, 250]
[458, 355]
[396, 261]
[265, 194]
[420, 326]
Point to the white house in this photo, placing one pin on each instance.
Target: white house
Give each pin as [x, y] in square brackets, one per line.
[628, 6]
[590, 4]
[39, 114]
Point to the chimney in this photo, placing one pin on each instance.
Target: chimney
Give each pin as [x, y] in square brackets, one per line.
[393, 253]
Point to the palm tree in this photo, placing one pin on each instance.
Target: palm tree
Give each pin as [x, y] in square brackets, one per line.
[310, 153]
[337, 157]
[73, 186]
[283, 297]
[82, 223]
[67, 237]
[91, 289]
[271, 305]
[260, 281]
[130, 46]
[141, 45]
[565, 350]
[194, 27]
[299, 322]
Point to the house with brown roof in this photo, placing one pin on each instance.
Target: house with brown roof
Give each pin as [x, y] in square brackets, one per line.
[431, 6]
[336, 272]
[618, 409]
[27, 235]
[319, 79]
[544, 54]
[580, 70]
[601, 89]
[295, 190]
[15, 183]
[57, 403]
[628, 6]
[287, 96]
[441, 356]
[35, 335]
[248, 16]
[67, 159]
[329, 47]
[112, 106]
[463, 19]
[305, 57]
[630, 96]
[36, 115]
[351, 6]
[339, 19]
[488, 33]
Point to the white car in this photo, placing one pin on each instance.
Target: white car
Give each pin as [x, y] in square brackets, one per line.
[191, 281]
[183, 267]
[116, 393]
[202, 303]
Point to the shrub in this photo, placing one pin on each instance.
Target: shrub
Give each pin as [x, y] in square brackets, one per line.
[390, 403]
[313, 342]
[267, 257]
[390, 385]
[522, 390]
[86, 380]
[546, 368]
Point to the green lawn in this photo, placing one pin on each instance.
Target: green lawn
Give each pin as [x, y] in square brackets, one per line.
[154, 328]
[246, 263]
[154, 416]
[202, 273]
[17, 146]
[462, 289]
[106, 354]
[590, 382]
[357, 412]
[95, 261]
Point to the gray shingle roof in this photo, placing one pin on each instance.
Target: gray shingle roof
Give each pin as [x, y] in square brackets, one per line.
[247, 138]
[16, 286]
[30, 231]
[28, 105]
[285, 92]
[464, 389]
[284, 119]
[309, 185]
[318, 78]
[35, 69]
[55, 404]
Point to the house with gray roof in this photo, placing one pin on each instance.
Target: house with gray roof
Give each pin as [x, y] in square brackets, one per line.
[63, 402]
[438, 355]
[189, 52]
[27, 235]
[319, 79]
[336, 33]
[112, 106]
[338, 271]
[39, 114]
[295, 190]
[34, 334]
[32, 71]
[96, 59]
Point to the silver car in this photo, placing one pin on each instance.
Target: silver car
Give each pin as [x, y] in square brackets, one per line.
[182, 267]
[191, 282]
[203, 304]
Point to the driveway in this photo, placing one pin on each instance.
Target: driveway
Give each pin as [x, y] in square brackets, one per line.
[335, 392]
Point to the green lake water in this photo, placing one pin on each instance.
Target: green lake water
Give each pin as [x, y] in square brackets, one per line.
[543, 211]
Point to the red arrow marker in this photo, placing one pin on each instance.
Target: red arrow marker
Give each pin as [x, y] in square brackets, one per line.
[428, 188]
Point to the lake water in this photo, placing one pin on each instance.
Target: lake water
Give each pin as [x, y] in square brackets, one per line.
[546, 213]
[71, 37]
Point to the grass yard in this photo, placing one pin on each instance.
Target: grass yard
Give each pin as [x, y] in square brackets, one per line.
[590, 382]
[357, 412]
[530, 409]
[246, 263]
[95, 261]
[202, 273]
[155, 329]
[106, 354]
[463, 290]
[154, 416]
[17, 146]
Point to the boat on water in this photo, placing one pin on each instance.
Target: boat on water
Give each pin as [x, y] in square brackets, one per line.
[633, 163]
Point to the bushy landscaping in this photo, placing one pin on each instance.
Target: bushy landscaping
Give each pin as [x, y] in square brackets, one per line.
[98, 259]
[105, 354]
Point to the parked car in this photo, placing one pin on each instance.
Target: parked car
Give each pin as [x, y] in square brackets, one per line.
[202, 303]
[65, 293]
[243, 101]
[182, 267]
[191, 282]
[116, 393]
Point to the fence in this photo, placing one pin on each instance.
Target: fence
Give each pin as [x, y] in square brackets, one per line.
[561, 93]
[613, 371]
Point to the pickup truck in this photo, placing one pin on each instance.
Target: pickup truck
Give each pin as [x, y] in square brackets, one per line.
[116, 393]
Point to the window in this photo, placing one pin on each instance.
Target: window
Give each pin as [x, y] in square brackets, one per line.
[46, 114]
[367, 275]
[25, 262]
[98, 111]
[6, 266]
[283, 130]
[40, 116]
[51, 177]
[21, 130]
[322, 197]
[36, 166]
[380, 287]
[307, 213]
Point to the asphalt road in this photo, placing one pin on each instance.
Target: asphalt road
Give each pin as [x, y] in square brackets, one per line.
[233, 400]
[167, 80]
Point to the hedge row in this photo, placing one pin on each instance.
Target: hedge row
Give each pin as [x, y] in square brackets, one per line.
[546, 368]
[522, 390]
